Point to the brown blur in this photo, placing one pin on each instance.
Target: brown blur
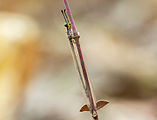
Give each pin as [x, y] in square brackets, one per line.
[37, 76]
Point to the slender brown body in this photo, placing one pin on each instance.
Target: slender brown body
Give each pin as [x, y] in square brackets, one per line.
[88, 85]
[80, 64]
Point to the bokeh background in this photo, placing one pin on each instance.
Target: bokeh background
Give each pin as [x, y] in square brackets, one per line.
[37, 76]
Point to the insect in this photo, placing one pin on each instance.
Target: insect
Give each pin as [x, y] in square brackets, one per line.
[74, 37]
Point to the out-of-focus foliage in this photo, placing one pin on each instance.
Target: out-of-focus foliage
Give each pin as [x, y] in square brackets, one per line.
[37, 76]
[18, 56]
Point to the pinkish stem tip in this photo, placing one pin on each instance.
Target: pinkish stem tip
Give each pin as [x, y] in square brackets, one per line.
[70, 17]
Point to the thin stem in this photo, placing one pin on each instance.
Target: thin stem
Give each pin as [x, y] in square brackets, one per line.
[89, 91]
[77, 63]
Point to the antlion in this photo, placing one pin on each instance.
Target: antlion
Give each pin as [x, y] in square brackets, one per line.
[73, 37]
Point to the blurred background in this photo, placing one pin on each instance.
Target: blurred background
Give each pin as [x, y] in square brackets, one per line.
[37, 76]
